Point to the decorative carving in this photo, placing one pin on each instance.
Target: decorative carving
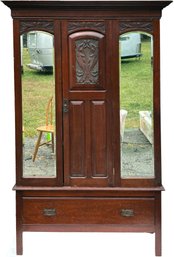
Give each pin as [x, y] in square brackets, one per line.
[87, 61]
[76, 25]
[26, 26]
[135, 25]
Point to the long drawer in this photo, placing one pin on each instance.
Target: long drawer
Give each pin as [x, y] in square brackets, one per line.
[56, 210]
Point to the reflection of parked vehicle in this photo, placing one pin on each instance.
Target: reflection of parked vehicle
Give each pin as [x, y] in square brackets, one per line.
[40, 47]
[130, 45]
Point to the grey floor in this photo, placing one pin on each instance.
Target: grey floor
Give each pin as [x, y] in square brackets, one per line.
[136, 155]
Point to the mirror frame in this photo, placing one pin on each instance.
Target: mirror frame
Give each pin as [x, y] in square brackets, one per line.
[32, 154]
[21, 27]
[151, 93]
[152, 28]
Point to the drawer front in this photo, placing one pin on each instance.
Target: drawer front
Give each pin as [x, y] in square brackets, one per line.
[53, 210]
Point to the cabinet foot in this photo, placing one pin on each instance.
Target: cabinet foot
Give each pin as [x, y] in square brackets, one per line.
[158, 241]
[19, 243]
[158, 251]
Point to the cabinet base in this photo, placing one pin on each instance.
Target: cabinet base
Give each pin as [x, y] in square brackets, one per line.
[123, 211]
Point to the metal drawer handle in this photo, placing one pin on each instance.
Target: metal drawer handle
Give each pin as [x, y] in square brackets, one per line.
[127, 212]
[49, 212]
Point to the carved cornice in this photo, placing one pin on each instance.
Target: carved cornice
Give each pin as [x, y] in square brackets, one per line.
[126, 26]
[74, 26]
[26, 26]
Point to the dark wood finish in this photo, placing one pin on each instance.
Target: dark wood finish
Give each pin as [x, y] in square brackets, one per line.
[158, 236]
[88, 193]
[115, 82]
[30, 25]
[89, 228]
[58, 101]
[87, 60]
[46, 210]
[156, 103]
[87, 126]
[19, 224]
[127, 26]
[18, 101]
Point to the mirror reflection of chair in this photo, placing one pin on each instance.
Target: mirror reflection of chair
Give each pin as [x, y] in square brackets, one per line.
[123, 114]
[47, 128]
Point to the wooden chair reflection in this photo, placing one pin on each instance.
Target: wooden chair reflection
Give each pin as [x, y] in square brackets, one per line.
[47, 128]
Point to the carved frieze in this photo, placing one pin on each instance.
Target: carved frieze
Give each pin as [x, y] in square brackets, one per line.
[135, 25]
[87, 61]
[26, 26]
[76, 25]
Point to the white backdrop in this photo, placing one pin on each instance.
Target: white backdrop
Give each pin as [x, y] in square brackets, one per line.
[92, 244]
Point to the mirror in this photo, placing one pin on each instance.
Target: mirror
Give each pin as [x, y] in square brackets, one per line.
[38, 103]
[136, 105]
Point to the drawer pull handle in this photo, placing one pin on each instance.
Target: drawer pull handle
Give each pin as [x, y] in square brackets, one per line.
[127, 212]
[49, 212]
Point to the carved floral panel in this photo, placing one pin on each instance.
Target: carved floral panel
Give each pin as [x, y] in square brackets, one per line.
[87, 64]
[136, 25]
[76, 25]
[26, 26]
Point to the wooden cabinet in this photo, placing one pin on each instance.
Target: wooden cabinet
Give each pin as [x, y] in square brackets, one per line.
[88, 74]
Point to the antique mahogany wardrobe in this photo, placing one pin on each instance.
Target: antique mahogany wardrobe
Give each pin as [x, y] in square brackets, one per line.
[87, 99]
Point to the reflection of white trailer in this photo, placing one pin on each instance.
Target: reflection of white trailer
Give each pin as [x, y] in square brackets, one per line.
[40, 47]
[130, 44]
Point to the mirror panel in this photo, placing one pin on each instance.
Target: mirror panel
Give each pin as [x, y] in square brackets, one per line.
[38, 103]
[136, 105]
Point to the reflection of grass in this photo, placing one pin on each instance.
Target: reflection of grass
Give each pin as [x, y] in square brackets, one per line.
[136, 85]
[136, 90]
[36, 90]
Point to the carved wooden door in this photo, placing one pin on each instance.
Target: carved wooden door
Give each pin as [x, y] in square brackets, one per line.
[87, 111]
